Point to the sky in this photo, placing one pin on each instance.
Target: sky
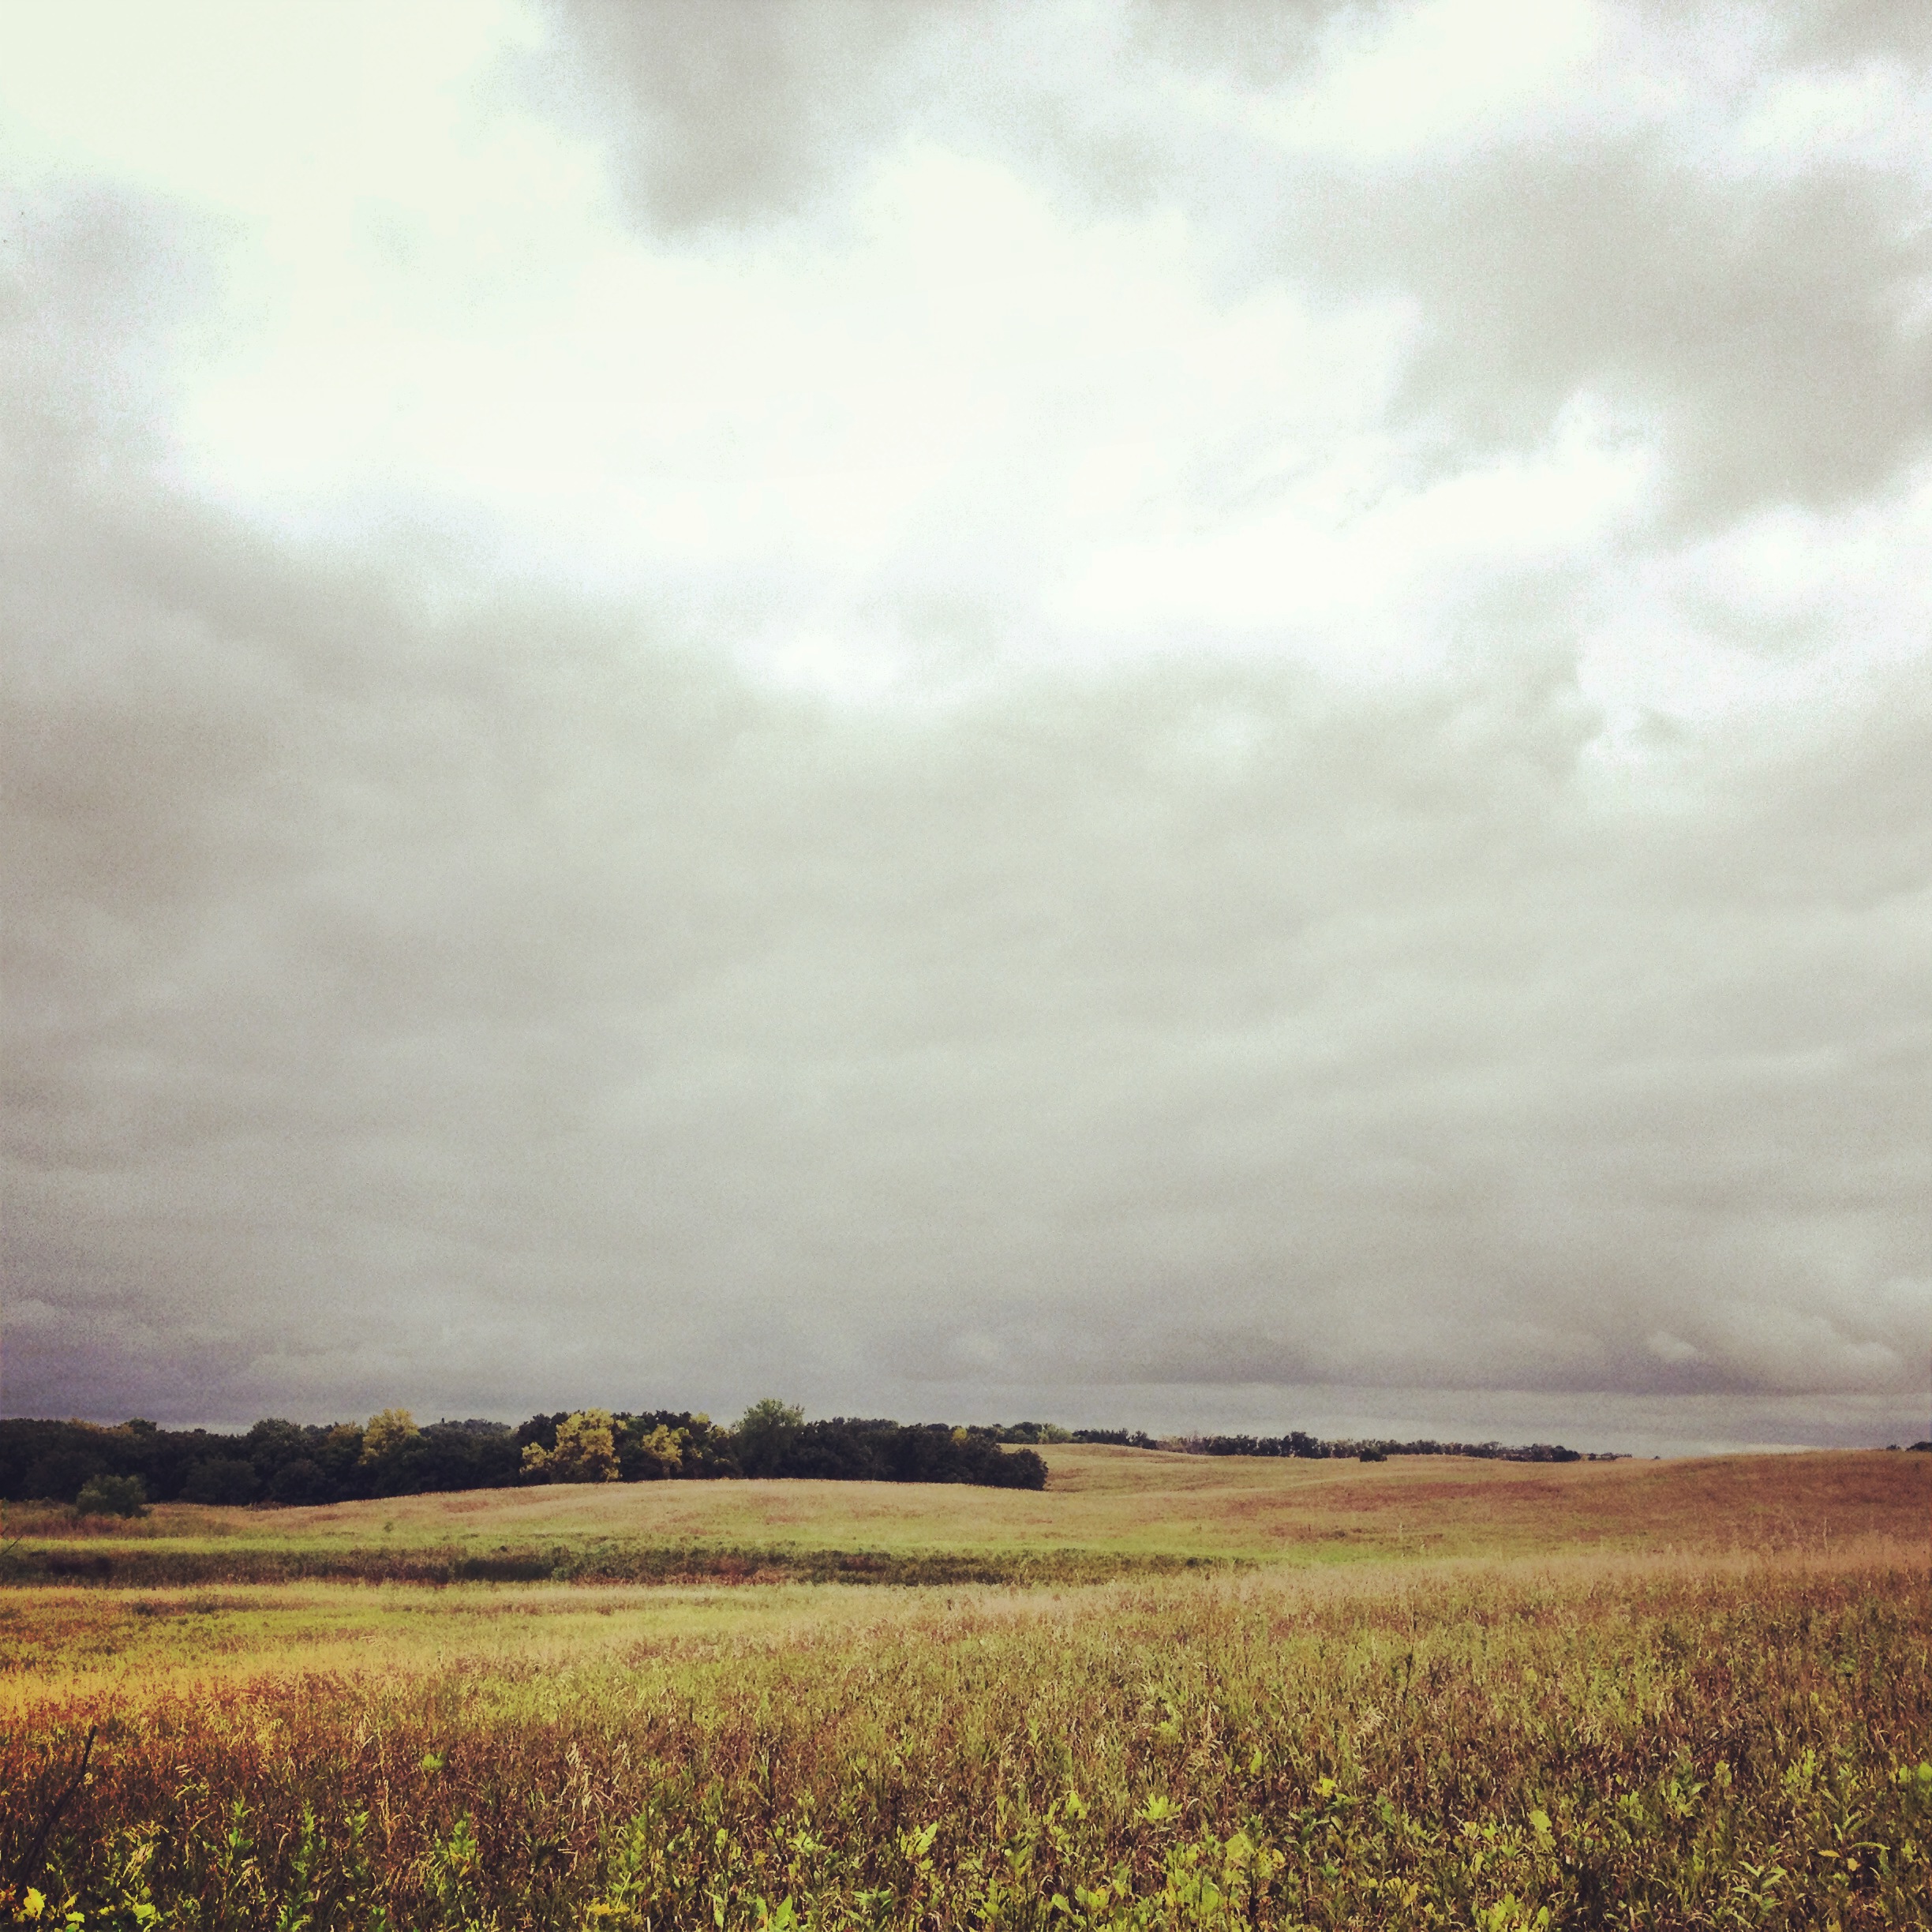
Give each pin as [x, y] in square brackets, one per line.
[1203, 715]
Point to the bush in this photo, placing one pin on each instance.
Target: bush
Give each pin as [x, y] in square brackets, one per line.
[112, 1496]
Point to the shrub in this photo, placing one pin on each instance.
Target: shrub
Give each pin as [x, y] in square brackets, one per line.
[112, 1496]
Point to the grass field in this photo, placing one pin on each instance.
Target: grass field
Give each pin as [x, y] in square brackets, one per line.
[1103, 1506]
[1416, 1693]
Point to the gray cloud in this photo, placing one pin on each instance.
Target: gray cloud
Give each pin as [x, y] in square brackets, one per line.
[394, 1001]
[1844, 30]
[426, 987]
[1773, 336]
[722, 111]
[719, 114]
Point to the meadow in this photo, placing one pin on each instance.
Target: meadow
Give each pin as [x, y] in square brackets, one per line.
[1169, 1690]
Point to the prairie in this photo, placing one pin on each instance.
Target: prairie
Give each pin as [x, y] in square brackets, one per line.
[1490, 1696]
[1100, 1503]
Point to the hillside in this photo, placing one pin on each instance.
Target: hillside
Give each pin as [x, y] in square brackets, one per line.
[1103, 1509]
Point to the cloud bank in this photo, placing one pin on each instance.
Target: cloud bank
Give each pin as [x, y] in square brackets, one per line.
[1196, 715]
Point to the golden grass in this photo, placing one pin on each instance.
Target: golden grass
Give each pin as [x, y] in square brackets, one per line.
[1506, 1744]
[1503, 1697]
[1141, 1502]
[132, 1646]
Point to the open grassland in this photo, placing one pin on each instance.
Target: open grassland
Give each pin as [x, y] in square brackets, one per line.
[1646, 1722]
[1104, 1511]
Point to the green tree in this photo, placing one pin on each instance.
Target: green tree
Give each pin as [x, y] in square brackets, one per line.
[585, 1451]
[764, 1435]
[224, 1482]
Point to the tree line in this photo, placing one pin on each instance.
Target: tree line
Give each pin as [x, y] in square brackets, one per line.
[1298, 1443]
[1378, 1449]
[109, 1469]
[115, 1469]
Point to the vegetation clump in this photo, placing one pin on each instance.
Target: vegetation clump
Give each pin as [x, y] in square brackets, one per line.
[112, 1496]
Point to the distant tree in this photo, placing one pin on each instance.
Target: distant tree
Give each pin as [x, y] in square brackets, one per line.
[388, 1434]
[59, 1475]
[1019, 1469]
[300, 1482]
[339, 1456]
[464, 1455]
[112, 1496]
[585, 1451]
[647, 1453]
[764, 1435]
[224, 1482]
[541, 1429]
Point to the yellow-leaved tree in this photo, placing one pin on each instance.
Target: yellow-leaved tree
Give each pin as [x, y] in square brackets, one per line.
[658, 1454]
[585, 1451]
[394, 1429]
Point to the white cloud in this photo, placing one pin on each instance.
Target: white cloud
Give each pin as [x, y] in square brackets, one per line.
[1441, 74]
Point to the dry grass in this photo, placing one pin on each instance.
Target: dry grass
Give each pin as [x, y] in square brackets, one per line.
[131, 1646]
[1702, 1700]
[1126, 1503]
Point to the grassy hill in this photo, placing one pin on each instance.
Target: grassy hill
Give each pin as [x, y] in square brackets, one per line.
[1104, 1511]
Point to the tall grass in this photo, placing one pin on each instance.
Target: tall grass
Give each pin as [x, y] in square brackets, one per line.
[1599, 1746]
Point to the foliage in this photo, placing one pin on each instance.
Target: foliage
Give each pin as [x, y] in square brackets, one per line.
[220, 1480]
[1502, 1750]
[654, 1455]
[112, 1496]
[765, 1435]
[585, 1451]
[393, 1433]
[850, 1449]
[294, 1464]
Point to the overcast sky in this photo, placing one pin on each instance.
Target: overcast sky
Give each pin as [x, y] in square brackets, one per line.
[1204, 715]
